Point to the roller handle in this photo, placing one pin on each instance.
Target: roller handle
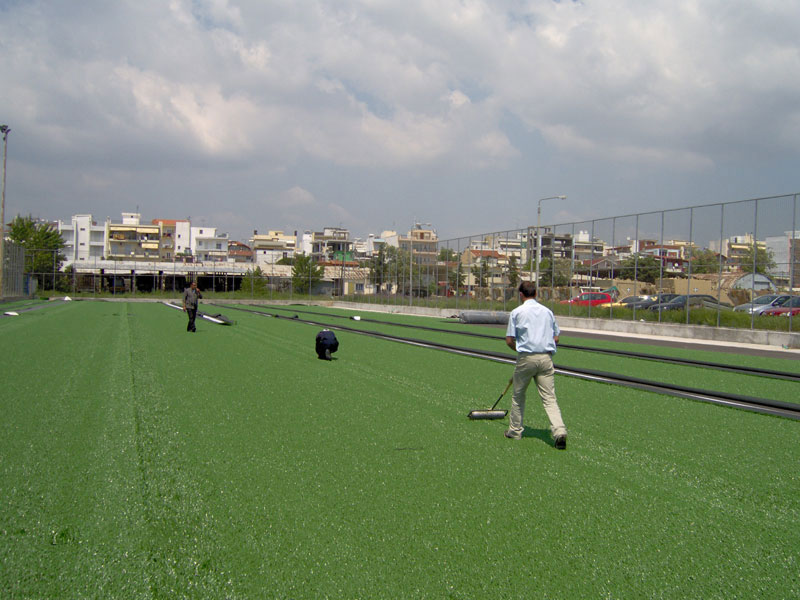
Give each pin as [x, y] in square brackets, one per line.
[510, 381]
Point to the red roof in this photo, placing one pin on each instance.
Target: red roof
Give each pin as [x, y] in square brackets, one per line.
[169, 221]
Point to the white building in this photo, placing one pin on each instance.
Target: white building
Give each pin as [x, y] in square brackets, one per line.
[781, 248]
[268, 248]
[84, 240]
[208, 245]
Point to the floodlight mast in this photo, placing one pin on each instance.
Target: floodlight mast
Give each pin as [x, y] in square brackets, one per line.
[5, 130]
[539, 235]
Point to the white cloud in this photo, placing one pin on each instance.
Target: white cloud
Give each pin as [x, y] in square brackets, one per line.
[371, 86]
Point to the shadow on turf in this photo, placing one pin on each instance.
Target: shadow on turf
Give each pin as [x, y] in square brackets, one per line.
[542, 434]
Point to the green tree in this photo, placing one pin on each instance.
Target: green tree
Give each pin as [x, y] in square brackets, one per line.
[305, 273]
[379, 269]
[447, 255]
[513, 272]
[42, 244]
[555, 274]
[480, 271]
[455, 277]
[703, 260]
[286, 260]
[765, 261]
[254, 282]
[642, 268]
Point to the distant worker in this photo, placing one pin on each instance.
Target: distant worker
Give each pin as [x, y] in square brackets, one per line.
[191, 295]
[533, 333]
[326, 344]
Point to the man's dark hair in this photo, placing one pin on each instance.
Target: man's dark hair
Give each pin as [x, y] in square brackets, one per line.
[528, 289]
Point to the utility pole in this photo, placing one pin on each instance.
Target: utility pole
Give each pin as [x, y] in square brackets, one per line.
[5, 130]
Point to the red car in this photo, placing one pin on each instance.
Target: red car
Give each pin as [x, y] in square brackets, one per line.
[790, 307]
[590, 299]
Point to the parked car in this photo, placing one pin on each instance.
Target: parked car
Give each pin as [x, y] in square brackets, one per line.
[684, 300]
[590, 299]
[641, 305]
[629, 300]
[790, 307]
[762, 303]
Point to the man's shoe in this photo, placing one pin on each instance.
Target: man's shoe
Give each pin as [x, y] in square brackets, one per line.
[328, 354]
[561, 442]
[510, 435]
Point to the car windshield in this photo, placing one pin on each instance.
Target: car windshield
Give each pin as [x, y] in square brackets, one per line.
[793, 303]
[677, 299]
[764, 299]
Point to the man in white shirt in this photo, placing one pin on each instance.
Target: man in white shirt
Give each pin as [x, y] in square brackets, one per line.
[533, 333]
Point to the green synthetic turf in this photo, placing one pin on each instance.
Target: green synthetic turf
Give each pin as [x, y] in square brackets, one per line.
[141, 461]
[696, 377]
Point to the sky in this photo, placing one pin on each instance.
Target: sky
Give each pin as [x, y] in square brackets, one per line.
[374, 115]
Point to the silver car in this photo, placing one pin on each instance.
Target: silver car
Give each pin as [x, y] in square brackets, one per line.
[762, 303]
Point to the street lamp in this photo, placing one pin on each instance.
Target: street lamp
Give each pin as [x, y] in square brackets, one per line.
[539, 235]
[5, 130]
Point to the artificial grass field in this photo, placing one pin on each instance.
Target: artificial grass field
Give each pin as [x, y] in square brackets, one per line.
[140, 461]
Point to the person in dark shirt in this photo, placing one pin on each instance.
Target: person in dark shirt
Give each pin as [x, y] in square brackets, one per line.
[191, 295]
[326, 344]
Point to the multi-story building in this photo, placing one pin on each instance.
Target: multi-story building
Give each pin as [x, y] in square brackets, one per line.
[84, 239]
[208, 245]
[272, 246]
[239, 252]
[130, 240]
[332, 243]
[422, 244]
[785, 250]
[174, 238]
[738, 248]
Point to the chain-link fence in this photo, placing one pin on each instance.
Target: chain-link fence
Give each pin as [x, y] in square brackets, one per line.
[688, 265]
[13, 268]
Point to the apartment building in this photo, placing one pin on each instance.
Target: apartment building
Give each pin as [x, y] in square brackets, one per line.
[332, 243]
[130, 240]
[422, 243]
[208, 245]
[269, 248]
[174, 238]
[84, 239]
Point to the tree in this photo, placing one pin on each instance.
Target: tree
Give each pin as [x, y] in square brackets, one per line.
[254, 282]
[646, 269]
[455, 277]
[554, 274]
[42, 244]
[305, 273]
[480, 271]
[447, 255]
[703, 261]
[513, 272]
[379, 269]
[765, 260]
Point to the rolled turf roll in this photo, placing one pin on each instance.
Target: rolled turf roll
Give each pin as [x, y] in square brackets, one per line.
[487, 414]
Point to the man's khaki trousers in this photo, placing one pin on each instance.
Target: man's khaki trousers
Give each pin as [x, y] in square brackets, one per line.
[540, 368]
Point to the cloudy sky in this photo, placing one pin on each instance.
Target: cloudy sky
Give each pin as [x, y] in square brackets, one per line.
[374, 114]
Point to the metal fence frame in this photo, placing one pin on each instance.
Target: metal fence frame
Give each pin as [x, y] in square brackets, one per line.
[469, 279]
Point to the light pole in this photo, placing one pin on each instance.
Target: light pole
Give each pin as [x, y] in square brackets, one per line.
[539, 235]
[5, 130]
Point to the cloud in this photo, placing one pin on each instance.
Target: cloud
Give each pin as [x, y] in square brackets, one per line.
[298, 205]
[285, 94]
